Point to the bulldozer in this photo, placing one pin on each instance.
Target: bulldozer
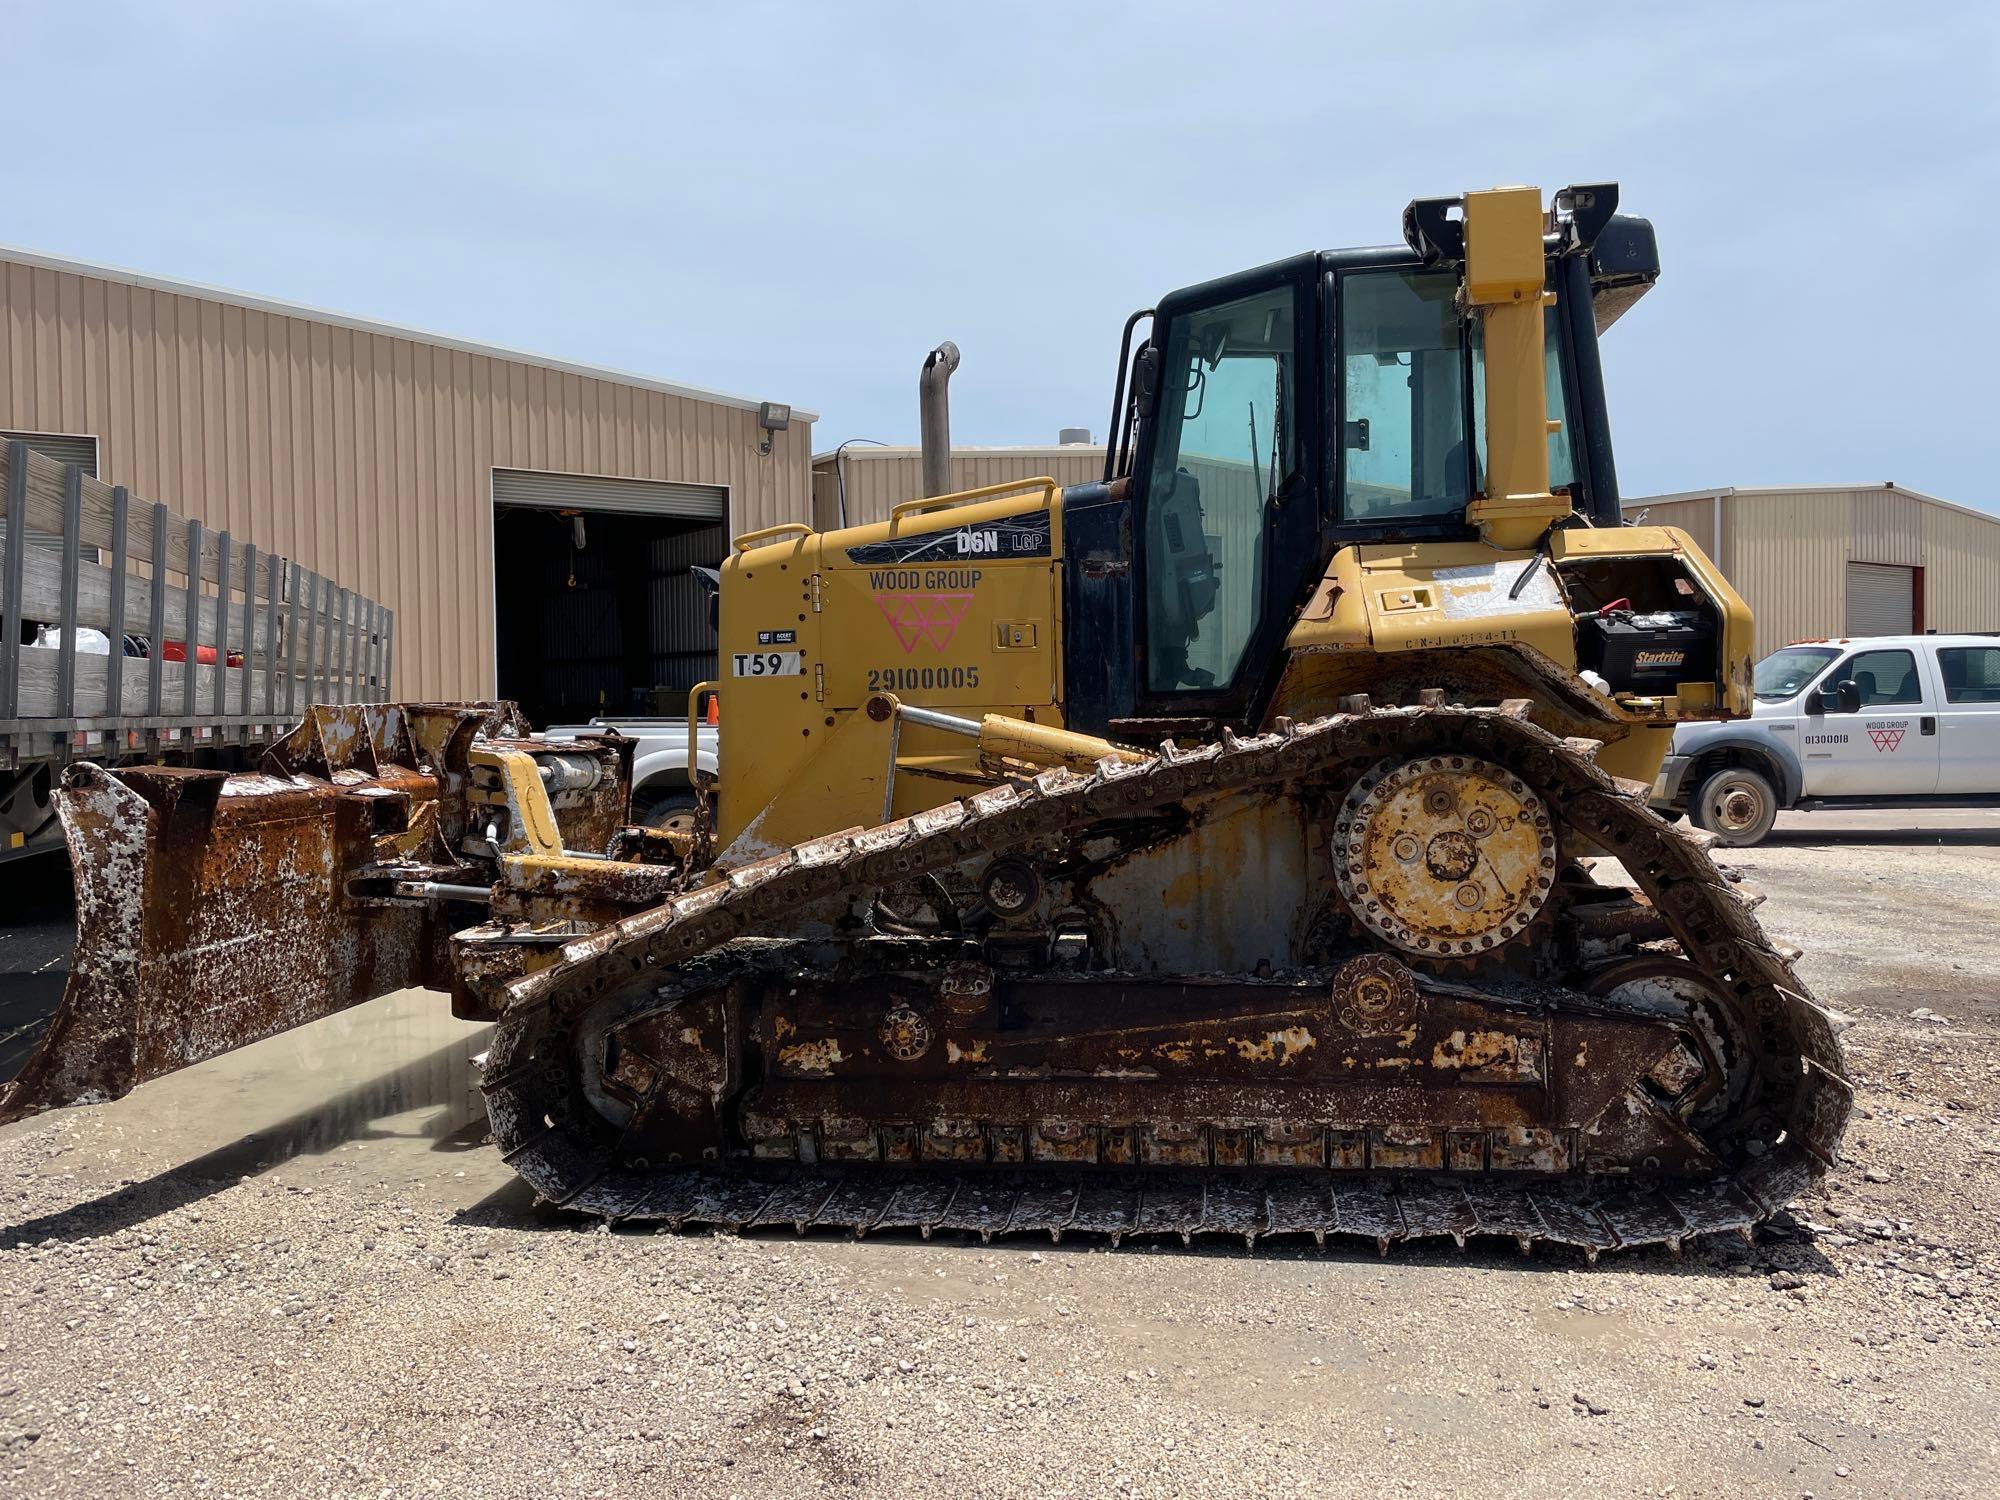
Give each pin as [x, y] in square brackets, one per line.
[1254, 842]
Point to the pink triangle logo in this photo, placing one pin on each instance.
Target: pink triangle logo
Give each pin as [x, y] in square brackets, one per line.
[923, 617]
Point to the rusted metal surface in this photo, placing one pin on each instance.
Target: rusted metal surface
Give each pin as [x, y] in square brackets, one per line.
[858, 1069]
[211, 912]
[1600, 1116]
[1445, 854]
[214, 910]
[1374, 995]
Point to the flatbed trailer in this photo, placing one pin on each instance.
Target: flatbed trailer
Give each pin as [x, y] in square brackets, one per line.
[211, 646]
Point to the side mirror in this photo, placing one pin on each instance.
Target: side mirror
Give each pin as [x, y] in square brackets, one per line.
[1145, 379]
[1849, 694]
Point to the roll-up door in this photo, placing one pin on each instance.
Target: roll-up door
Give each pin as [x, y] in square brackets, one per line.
[641, 497]
[64, 449]
[1881, 600]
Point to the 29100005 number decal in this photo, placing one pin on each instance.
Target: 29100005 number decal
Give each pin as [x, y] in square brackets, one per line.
[913, 679]
[768, 664]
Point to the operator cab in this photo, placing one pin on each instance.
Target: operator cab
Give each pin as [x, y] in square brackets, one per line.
[1273, 416]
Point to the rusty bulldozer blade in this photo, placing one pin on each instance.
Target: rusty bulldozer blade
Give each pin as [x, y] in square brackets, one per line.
[215, 910]
[211, 912]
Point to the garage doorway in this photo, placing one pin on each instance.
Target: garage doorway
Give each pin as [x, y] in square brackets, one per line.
[597, 612]
[1884, 600]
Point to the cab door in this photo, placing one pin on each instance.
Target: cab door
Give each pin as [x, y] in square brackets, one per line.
[1227, 512]
[1888, 746]
[1969, 720]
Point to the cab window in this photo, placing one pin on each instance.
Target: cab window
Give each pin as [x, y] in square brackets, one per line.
[1882, 676]
[1403, 396]
[1971, 673]
[1226, 444]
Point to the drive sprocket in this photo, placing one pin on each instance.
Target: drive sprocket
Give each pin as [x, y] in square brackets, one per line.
[1444, 855]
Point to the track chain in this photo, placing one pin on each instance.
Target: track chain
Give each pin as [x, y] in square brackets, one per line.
[1799, 1105]
[1385, 1211]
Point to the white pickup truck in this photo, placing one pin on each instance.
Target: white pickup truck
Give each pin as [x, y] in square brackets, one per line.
[662, 794]
[1887, 721]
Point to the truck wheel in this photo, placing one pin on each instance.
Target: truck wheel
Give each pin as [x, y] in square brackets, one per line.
[670, 810]
[1736, 804]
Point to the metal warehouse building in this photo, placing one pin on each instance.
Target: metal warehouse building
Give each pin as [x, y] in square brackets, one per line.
[869, 479]
[450, 480]
[1873, 559]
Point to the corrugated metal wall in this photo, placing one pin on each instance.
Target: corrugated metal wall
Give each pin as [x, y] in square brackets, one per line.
[1787, 557]
[363, 455]
[1787, 551]
[878, 478]
[1961, 570]
[1696, 517]
[1886, 527]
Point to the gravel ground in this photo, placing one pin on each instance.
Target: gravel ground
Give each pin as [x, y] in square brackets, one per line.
[295, 1271]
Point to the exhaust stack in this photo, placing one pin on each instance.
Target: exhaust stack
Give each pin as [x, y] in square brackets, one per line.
[934, 417]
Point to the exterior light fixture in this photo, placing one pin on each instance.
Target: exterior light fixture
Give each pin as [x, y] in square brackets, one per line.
[772, 416]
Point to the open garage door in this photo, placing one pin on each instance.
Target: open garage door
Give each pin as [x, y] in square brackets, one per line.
[1881, 600]
[596, 611]
[633, 497]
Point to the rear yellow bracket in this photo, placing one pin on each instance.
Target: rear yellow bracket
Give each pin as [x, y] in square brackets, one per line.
[510, 782]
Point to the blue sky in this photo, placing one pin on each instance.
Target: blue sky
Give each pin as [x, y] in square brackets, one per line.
[797, 201]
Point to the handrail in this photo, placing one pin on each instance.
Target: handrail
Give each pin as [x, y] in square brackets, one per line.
[965, 497]
[784, 528]
[694, 721]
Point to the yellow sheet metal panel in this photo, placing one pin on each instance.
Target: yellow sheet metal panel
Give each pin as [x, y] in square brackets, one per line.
[956, 635]
[1503, 245]
[956, 610]
[361, 451]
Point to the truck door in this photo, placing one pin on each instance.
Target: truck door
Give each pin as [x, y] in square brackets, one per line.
[1969, 719]
[1888, 747]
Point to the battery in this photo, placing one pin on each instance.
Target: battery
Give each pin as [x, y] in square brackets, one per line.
[1650, 653]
